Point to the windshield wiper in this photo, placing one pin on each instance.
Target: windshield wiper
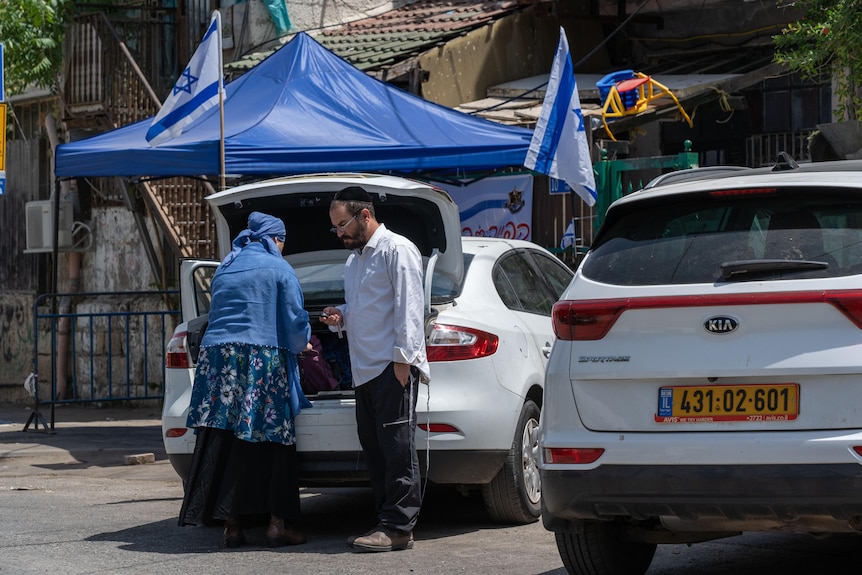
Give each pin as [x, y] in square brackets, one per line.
[743, 268]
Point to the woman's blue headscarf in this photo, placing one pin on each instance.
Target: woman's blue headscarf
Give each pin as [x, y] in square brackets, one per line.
[261, 227]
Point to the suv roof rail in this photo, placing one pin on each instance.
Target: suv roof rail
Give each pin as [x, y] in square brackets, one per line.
[699, 173]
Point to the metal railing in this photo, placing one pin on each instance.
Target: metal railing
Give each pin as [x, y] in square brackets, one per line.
[110, 348]
[762, 149]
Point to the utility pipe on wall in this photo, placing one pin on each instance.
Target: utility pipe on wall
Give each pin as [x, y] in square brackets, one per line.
[73, 284]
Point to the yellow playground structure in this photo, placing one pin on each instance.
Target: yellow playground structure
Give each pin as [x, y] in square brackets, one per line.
[627, 93]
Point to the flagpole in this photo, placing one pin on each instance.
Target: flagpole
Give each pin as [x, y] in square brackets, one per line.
[221, 105]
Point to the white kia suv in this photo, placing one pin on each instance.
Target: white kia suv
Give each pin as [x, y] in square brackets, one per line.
[706, 379]
[489, 334]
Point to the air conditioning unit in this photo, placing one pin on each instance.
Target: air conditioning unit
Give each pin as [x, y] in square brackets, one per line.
[40, 226]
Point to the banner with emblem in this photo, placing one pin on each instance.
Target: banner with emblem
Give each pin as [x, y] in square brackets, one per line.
[497, 207]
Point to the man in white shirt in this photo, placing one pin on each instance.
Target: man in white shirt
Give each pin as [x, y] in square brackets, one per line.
[384, 317]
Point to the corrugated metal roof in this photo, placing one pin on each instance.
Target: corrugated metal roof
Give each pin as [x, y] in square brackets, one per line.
[380, 41]
[687, 75]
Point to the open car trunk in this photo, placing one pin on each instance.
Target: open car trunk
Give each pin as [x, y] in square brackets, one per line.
[423, 213]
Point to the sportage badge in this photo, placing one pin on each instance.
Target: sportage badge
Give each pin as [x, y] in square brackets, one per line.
[721, 324]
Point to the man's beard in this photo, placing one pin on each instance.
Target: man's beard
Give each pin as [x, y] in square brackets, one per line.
[357, 240]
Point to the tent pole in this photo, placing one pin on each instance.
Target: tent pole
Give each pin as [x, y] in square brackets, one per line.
[221, 138]
[221, 101]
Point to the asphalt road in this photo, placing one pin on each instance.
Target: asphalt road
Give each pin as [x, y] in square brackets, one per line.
[69, 504]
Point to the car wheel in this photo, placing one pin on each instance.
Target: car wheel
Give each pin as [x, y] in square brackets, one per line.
[600, 549]
[515, 494]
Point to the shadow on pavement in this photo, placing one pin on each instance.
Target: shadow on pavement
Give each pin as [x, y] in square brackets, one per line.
[330, 515]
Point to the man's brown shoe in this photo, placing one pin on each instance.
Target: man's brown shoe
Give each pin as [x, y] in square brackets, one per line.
[279, 535]
[353, 538]
[384, 539]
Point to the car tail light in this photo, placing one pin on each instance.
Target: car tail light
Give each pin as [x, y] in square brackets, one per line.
[177, 356]
[578, 455]
[453, 343]
[592, 319]
[176, 432]
[439, 428]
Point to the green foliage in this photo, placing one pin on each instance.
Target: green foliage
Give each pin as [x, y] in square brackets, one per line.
[32, 35]
[827, 40]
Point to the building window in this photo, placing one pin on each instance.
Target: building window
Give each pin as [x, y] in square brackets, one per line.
[791, 104]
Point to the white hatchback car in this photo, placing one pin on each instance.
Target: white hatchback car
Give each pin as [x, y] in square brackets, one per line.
[707, 376]
[488, 329]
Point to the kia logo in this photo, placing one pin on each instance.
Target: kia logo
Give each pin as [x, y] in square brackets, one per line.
[721, 324]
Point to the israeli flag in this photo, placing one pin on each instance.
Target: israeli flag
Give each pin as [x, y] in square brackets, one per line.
[196, 91]
[568, 240]
[559, 146]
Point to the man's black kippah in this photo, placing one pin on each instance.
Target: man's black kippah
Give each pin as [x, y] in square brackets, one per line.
[353, 194]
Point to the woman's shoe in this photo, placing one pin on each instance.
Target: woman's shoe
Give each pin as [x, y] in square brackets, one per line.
[279, 535]
[233, 535]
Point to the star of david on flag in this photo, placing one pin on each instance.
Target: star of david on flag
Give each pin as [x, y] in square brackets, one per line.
[196, 90]
[559, 146]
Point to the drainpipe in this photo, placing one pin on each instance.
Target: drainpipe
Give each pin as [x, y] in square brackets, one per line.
[73, 283]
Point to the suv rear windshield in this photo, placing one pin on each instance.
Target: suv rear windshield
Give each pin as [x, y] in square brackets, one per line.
[736, 235]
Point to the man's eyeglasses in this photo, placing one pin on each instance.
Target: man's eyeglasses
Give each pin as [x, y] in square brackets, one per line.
[342, 227]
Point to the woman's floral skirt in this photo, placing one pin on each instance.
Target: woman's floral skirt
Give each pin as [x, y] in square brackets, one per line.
[246, 389]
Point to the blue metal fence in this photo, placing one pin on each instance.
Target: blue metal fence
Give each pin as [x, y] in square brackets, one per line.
[108, 347]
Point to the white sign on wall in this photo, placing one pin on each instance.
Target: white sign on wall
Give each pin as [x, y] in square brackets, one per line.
[497, 207]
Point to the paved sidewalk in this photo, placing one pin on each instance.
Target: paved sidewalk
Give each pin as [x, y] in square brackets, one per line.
[84, 432]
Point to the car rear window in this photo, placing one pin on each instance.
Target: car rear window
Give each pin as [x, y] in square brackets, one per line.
[730, 235]
[323, 283]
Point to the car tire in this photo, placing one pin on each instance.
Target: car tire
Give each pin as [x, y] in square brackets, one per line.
[514, 496]
[600, 549]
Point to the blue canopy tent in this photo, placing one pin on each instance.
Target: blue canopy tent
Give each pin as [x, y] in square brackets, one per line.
[305, 110]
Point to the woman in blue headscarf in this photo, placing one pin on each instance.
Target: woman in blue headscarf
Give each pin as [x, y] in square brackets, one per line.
[246, 391]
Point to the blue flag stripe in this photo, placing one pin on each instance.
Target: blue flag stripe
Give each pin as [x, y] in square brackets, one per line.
[210, 31]
[178, 113]
[556, 120]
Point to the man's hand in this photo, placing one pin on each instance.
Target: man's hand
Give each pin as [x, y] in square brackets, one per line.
[331, 316]
[402, 373]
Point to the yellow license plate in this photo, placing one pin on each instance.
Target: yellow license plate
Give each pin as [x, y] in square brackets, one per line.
[711, 403]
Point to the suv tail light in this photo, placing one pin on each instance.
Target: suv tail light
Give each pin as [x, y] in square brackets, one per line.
[585, 320]
[453, 343]
[176, 355]
[575, 455]
[592, 319]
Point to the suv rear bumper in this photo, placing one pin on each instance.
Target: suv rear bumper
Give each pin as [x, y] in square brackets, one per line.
[702, 497]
